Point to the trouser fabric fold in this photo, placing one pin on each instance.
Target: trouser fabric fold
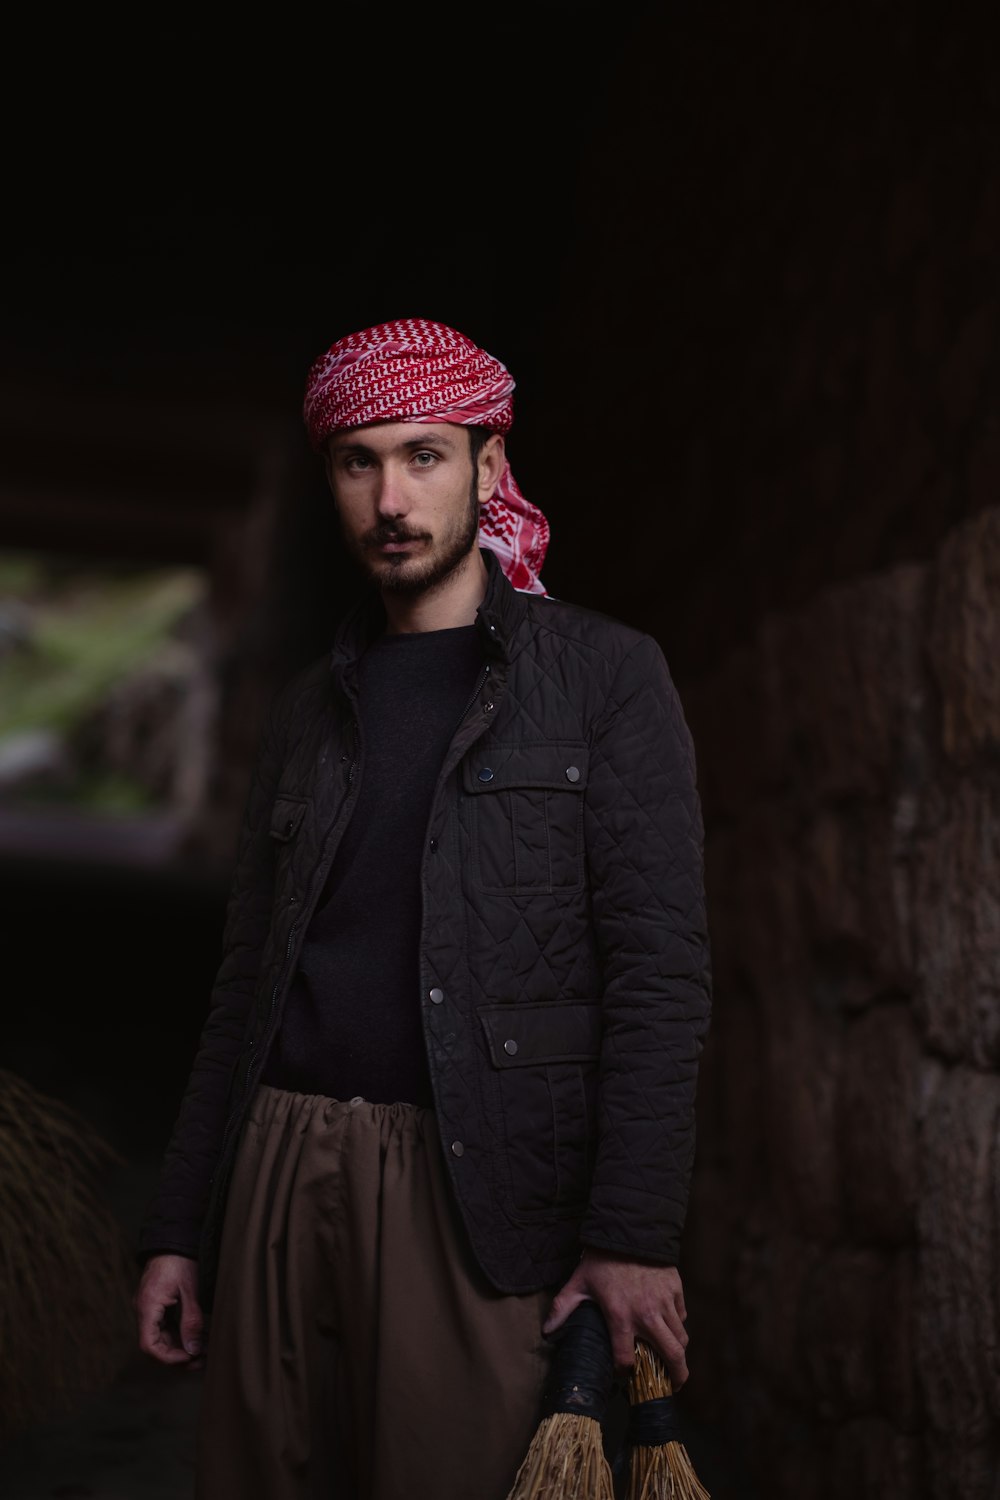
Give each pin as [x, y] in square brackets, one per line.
[356, 1350]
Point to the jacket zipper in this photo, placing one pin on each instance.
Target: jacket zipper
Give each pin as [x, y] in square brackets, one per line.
[484, 674]
[475, 694]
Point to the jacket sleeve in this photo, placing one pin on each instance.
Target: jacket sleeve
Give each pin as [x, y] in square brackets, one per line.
[645, 850]
[174, 1216]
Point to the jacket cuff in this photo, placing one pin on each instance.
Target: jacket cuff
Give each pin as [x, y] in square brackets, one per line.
[144, 1253]
[668, 1257]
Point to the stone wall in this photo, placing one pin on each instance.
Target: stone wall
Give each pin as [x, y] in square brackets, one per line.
[842, 1258]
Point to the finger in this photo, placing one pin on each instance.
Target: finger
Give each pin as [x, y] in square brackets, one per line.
[671, 1351]
[170, 1356]
[150, 1311]
[563, 1304]
[191, 1323]
[156, 1337]
[672, 1318]
[163, 1346]
[623, 1336]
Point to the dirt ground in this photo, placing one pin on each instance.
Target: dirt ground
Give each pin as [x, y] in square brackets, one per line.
[134, 1441]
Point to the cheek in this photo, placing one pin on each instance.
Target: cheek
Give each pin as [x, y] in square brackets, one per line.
[352, 506]
[448, 501]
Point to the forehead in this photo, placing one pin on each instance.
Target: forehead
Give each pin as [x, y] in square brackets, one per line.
[386, 437]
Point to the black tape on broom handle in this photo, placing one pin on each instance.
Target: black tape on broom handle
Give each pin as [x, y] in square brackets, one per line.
[653, 1423]
[582, 1371]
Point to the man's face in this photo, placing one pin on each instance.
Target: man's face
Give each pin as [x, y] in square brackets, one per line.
[408, 499]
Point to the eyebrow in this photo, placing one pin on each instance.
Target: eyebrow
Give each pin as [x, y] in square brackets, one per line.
[433, 439]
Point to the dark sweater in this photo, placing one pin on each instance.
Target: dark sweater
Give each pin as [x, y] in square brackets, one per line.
[351, 1024]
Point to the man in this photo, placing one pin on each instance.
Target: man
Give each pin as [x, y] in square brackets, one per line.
[450, 1062]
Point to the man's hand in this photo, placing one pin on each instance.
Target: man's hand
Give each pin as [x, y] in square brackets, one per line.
[638, 1300]
[171, 1326]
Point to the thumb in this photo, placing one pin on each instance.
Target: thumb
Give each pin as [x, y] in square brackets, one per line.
[192, 1324]
[563, 1304]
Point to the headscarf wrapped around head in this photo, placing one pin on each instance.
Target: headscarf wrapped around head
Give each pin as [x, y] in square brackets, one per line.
[414, 370]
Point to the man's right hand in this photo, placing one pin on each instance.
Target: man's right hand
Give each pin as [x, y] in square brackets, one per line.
[171, 1325]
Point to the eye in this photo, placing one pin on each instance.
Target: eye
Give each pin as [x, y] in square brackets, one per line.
[424, 459]
[355, 462]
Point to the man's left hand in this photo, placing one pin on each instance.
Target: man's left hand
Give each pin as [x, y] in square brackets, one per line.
[638, 1300]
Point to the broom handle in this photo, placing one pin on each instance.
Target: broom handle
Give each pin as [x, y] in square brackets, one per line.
[654, 1437]
[582, 1370]
[652, 1418]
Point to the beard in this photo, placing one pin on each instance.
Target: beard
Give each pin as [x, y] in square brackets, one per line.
[411, 575]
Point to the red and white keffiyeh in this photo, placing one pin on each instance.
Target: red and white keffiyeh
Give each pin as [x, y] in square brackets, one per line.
[414, 370]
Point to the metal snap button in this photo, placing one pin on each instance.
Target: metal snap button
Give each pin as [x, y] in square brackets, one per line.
[510, 1047]
[457, 1149]
[486, 773]
[572, 773]
[436, 996]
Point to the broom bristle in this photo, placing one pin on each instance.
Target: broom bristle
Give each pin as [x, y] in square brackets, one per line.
[565, 1462]
[665, 1472]
[66, 1274]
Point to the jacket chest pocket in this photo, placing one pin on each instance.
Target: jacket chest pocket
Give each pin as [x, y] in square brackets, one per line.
[526, 809]
[285, 821]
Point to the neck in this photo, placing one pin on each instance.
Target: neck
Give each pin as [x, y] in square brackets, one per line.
[452, 602]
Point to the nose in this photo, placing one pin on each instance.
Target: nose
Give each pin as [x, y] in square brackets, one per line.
[391, 498]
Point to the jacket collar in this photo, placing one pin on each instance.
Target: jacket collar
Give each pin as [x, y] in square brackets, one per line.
[498, 618]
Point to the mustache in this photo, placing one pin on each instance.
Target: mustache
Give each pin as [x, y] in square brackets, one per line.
[379, 535]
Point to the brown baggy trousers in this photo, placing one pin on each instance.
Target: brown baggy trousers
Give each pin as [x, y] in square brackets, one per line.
[356, 1351]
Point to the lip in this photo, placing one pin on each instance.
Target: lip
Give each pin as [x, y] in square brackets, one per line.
[397, 546]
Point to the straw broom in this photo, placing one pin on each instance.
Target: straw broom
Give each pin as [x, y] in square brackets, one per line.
[566, 1458]
[660, 1467]
[66, 1271]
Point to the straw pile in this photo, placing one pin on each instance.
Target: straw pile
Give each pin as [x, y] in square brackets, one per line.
[66, 1271]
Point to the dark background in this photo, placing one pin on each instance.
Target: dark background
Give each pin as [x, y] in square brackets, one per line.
[741, 262]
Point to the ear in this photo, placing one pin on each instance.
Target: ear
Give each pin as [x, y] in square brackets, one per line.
[492, 457]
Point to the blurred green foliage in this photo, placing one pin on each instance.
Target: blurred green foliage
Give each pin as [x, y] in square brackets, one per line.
[68, 633]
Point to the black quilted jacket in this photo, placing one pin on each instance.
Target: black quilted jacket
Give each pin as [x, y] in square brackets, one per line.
[565, 974]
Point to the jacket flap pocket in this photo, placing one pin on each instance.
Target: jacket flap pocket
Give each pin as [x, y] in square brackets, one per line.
[558, 765]
[553, 1031]
[286, 815]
